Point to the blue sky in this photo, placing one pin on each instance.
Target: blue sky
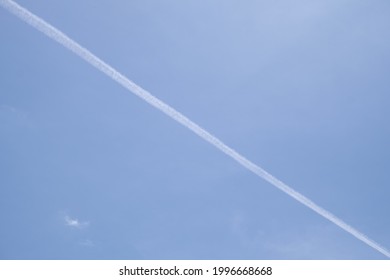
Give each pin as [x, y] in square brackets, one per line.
[89, 171]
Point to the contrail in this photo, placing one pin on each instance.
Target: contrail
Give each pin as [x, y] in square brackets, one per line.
[99, 64]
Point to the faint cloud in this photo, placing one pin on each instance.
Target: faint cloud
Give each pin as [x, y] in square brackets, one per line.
[248, 236]
[5, 108]
[75, 223]
[311, 242]
[11, 116]
[87, 243]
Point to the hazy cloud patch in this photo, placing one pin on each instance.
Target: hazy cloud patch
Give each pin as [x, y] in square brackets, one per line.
[75, 223]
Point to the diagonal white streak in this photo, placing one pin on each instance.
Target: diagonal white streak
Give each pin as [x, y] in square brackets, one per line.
[82, 52]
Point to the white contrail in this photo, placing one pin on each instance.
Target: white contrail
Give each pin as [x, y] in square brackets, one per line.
[65, 41]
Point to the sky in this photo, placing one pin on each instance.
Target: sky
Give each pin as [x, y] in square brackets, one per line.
[90, 171]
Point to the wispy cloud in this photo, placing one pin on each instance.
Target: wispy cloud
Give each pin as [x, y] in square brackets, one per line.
[75, 223]
[11, 116]
[87, 243]
[247, 237]
[312, 242]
